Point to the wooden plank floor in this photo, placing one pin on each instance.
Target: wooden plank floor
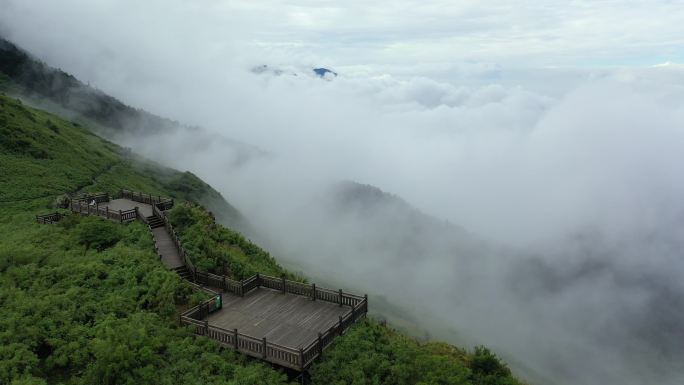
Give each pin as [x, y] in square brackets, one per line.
[286, 319]
[126, 204]
[170, 255]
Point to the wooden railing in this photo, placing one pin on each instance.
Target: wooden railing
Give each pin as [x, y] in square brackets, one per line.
[205, 308]
[246, 344]
[121, 216]
[154, 200]
[90, 204]
[315, 293]
[48, 219]
[89, 198]
[324, 339]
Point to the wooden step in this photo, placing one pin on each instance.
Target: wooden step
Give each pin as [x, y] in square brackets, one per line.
[183, 272]
[154, 222]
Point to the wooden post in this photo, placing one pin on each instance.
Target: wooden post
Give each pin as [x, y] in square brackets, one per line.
[206, 327]
[313, 291]
[137, 215]
[340, 325]
[120, 217]
[365, 305]
[265, 354]
[224, 285]
[258, 280]
[301, 359]
[320, 344]
[107, 212]
[242, 288]
[340, 299]
[235, 338]
[283, 279]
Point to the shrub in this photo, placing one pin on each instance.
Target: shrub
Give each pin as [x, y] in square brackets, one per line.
[52, 126]
[96, 233]
[487, 368]
[220, 250]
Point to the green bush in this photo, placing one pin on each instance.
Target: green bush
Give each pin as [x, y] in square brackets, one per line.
[97, 233]
[371, 353]
[220, 250]
[487, 368]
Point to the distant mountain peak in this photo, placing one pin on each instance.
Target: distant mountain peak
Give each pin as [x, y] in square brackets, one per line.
[323, 72]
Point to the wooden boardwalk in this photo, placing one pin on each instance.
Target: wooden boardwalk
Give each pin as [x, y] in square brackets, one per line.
[284, 322]
[170, 256]
[284, 319]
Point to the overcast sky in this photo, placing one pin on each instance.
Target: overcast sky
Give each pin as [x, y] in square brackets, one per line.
[385, 33]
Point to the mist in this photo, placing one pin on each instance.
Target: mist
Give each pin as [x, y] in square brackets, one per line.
[535, 205]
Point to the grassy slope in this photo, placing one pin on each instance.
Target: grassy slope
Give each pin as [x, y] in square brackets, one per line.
[87, 301]
[54, 90]
[74, 314]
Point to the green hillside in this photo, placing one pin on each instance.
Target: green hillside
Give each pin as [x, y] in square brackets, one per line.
[87, 301]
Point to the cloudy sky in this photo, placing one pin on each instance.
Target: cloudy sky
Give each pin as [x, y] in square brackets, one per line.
[553, 126]
[428, 34]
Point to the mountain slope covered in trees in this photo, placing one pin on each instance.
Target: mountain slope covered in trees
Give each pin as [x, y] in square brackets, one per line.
[87, 301]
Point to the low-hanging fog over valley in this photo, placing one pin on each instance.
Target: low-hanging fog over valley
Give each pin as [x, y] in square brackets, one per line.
[495, 198]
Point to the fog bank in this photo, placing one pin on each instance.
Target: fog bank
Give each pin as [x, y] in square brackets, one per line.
[540, 208]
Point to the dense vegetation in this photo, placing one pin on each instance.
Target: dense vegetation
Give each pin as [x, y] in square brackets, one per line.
[220, 250]
[44, 156]
[21, 74]
[82, 306]
[371, 353]
[87, 301]
[33, 78]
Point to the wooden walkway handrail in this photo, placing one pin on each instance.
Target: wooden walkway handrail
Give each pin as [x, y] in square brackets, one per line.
[87, 197]
[121, 216]
[47, 219]
[202, 288]
[149, 199]
[250, 345]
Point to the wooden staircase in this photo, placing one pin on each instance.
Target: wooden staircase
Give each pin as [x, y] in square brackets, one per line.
[183, 272]
[154, 221]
